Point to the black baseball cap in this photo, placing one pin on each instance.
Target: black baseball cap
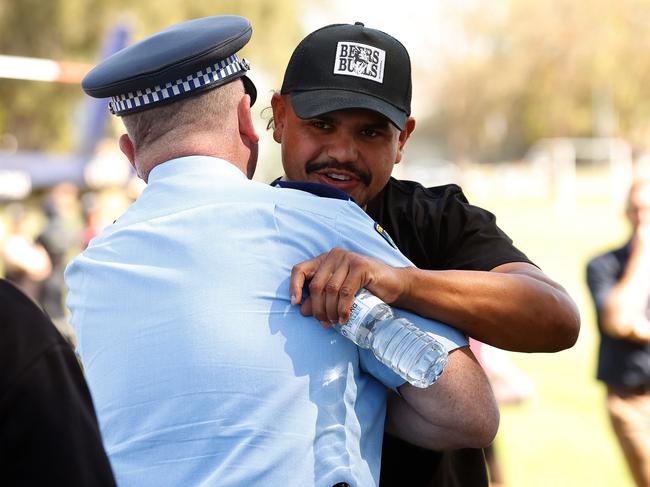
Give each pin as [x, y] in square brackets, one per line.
[343, 66]
[182, 60]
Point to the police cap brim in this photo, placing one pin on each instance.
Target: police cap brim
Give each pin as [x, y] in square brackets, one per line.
[171, 56]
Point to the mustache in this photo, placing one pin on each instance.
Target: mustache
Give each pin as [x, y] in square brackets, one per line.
[364, 177]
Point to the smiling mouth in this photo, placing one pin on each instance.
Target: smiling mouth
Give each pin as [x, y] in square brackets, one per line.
[338, 173]
[338, 177]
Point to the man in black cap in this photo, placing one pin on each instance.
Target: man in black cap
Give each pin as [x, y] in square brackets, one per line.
[48, 429]
[343, 117]
[202, 369]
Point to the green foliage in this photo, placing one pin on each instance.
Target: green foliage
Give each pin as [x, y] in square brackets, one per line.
[41, 114]
[552, 68]
[38, 113]
[520, 70]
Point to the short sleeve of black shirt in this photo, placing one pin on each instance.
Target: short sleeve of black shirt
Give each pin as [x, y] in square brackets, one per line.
[438, 229]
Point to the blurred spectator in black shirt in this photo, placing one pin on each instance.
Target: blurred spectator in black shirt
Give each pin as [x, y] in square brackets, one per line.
[619, 281]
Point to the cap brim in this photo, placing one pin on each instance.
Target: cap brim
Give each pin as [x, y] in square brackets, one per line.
[313, 103]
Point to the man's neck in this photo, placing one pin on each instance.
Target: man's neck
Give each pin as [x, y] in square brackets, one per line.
[196, 145]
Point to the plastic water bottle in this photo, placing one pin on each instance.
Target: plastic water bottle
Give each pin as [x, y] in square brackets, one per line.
[413, 354]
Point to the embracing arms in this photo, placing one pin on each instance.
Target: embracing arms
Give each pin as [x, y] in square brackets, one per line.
[459, 410]
[514, 307]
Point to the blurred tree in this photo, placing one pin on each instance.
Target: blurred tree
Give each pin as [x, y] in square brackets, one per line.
[530, 69]
[40, 114]
[37, 112]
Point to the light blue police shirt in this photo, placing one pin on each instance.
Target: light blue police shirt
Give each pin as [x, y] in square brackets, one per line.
[201, 370]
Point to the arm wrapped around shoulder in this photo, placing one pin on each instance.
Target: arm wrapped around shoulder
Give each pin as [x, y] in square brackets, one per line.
[457, 411]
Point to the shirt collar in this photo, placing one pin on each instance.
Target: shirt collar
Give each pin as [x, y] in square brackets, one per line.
[196, 165]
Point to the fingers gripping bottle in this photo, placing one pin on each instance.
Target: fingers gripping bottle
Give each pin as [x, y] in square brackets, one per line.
[411, 353]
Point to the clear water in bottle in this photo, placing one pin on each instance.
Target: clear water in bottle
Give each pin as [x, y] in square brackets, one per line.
[413, 354]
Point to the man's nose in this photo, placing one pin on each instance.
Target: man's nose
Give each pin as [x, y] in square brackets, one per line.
[343, 148]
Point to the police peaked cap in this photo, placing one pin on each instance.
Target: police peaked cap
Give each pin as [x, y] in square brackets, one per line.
[180, 61]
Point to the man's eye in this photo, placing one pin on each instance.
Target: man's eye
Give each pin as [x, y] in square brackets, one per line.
[319, 124]
[369, 133]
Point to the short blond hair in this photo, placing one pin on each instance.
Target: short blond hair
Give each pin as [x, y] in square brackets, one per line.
[208, 109]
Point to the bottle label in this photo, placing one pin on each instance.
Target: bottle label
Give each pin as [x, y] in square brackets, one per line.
[363, 304]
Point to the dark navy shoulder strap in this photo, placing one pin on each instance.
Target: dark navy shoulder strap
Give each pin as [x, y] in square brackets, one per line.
[313, 188]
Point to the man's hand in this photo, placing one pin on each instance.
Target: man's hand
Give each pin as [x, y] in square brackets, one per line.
[625, 309]
[335, 277]
[640, 249]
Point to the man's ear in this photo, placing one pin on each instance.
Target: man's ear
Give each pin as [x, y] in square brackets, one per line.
[248, 135]
[279, 113]
[126, 146]
[246, 127]
[404, 135]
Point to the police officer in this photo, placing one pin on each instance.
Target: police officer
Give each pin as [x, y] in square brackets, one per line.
[202, 370]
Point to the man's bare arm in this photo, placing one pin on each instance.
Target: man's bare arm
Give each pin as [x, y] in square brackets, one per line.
[458, 411]
[514, 307]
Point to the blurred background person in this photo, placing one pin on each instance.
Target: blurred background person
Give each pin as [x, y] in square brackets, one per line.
[59, 237]
[91, 216]
[619, 282]
[26, 262]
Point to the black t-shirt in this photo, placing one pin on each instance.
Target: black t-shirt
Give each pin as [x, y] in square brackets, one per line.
[621, 363]
[437, 229]
[48, 428]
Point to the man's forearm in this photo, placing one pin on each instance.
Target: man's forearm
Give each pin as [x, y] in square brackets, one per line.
[514, 307]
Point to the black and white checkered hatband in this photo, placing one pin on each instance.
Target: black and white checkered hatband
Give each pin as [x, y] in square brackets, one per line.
[215, 74]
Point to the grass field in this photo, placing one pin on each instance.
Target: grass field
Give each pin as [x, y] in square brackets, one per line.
[562, 437]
